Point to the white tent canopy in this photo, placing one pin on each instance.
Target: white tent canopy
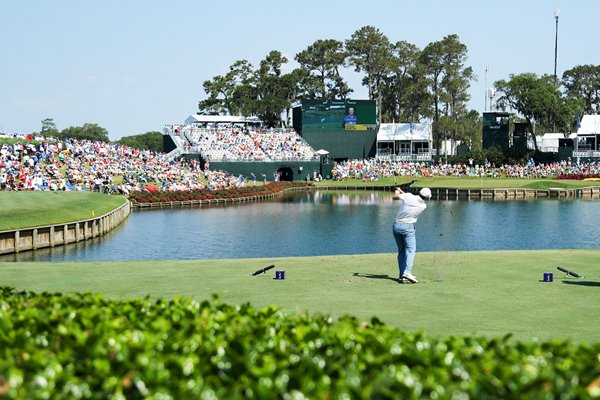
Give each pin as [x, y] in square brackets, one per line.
[588, 137]
[221, 119]
[405, 132]
[590, 125]
[407, 141]
[548, 142]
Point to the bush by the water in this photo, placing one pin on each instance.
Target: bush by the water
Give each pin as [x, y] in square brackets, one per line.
[208, 194]
[86, 346]
[578, 177]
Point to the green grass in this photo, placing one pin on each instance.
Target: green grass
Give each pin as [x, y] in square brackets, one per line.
[453, 182]
[27, 209]
[490, 293]
[13, 141]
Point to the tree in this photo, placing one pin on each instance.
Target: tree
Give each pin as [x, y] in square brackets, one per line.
[455, 83]
[274, 91]
[583, 82]
[567, 112]
[229, 94]
[86, 132]
[432, 61]
[242, 75]
[448, 80]
[322, 60]
[147, 141]
[218, 89]
[370, 52]
[535, 98]
[469, 127]
[405, 96]
[49, 127]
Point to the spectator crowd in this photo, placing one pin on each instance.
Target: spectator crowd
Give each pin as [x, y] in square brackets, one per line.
[83, 165]
[228, 143]
[373, 169]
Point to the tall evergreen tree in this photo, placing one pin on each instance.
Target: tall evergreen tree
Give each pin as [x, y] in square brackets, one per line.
[322, 60]
[405, 96]
[370, 52]
[455, 84]
[229, 94]
[433, 67]
[49, 127]
[274, 90]
[583, 82]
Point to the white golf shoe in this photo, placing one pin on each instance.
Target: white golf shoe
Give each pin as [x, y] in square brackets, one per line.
[409, 277]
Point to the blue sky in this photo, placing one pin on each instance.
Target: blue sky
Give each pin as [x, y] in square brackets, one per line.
[134, 66]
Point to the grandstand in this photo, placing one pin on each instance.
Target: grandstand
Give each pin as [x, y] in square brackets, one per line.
[240, 146]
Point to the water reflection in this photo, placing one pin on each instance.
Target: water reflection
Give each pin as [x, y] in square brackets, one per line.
[327, 223]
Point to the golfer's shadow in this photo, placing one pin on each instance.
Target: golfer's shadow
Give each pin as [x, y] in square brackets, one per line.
[582, 283]
[374, 276]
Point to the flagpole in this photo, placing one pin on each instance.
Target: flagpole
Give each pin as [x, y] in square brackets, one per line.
[578, 125]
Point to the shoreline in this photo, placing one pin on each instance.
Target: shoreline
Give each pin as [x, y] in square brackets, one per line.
[32, 238]
[437, 193]
[39, 237]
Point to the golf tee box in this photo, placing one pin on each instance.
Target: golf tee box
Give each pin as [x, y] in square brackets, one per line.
[548, 277]
[280, 275]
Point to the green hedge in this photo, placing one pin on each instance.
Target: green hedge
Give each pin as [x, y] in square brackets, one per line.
[87, 346]
[209, 194]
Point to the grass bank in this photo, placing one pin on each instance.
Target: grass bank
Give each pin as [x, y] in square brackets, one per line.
[28, 209]
[454, 182]
[490, 293]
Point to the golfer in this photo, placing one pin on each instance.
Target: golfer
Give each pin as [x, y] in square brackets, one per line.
[404, 230]
[351, 118]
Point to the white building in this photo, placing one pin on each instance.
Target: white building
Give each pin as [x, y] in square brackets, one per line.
[406, 141]
[587, 141]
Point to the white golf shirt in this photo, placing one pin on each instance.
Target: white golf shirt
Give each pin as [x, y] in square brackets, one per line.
[410, 209]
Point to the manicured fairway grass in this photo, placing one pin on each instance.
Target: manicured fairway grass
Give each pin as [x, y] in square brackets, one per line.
[454, 182]
[462, 293]
[27, 209]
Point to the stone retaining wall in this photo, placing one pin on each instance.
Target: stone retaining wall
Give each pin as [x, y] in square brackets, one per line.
[513, 193]
[497, 194]
[15, 241]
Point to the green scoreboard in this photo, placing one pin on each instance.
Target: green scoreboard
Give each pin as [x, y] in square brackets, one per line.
[339, 114]
[495, 130]
[347, 129]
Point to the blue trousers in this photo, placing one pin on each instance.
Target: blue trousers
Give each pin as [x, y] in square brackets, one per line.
[406, 240]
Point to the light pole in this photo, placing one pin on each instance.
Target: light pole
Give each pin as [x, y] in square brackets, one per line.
[485, 70]
[556, 14]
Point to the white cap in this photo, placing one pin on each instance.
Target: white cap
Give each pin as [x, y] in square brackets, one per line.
[425, 192]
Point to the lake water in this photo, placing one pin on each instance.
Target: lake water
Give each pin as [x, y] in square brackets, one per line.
[328, 223]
